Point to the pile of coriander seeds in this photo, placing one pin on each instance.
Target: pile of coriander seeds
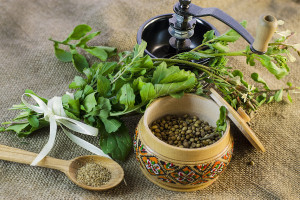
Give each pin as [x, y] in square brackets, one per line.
[184, 131]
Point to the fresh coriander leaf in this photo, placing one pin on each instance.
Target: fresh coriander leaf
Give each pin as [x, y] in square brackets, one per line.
[89, 102]
[159, 73]
[267, 62]
[103, 85]
[85, 39]
[172, 88]
[111, 51]
[117, 144]
[79, 61]
[107, 68]
[71, 106]
[111, 125]
[89, 74]
[289, 84]
[78, 83]
[141, 64]
[78, 94]
[17, 127]
[33, 120]
[258, 79]
[138, 50]
[278, 95]
[126, 96]
[147, 92]
[78, 32]
[162, 72]
[175, 77]
[97, 52]
[87, 90]
[104, 107]
[209, 35]
[62, 55]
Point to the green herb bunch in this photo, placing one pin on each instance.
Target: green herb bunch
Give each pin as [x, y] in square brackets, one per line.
[128, 83]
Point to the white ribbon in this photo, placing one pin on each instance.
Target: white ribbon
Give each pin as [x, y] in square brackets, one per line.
[55, 114]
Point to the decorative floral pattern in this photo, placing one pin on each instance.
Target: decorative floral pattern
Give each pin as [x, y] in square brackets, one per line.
[151, 164]
[185, 175]
[216, 170]
[169, 172]
[168, 166]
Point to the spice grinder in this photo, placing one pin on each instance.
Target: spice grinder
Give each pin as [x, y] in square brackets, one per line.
[170, 34]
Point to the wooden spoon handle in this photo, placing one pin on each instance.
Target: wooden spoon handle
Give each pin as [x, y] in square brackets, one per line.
[265, 29]
[21, 156]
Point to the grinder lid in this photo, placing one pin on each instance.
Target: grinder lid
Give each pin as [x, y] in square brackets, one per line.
[240, 119]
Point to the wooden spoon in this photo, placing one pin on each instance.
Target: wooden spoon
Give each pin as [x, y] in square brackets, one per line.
[69, 167]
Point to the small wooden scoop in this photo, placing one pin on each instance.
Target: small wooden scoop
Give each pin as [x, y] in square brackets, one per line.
[69, 167]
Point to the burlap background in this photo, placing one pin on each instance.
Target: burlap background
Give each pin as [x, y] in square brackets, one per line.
[27, 61]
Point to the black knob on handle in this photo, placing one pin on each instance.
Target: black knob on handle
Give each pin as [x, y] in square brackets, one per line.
[184, 4]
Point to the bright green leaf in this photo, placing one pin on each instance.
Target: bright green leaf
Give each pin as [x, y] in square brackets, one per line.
[17, 127]
[289, 84]
[103, 85]
[111, 125]
[126, 96]
[278, 95]
[79, 61]
[147, 92]
[97, 52]
[78, 32]
[89, 102]
[209, 35]
[78, 83]
[62, 55]
[89, 74]
[87, 38]
[117, 144]
[33, 120]
[258, 79]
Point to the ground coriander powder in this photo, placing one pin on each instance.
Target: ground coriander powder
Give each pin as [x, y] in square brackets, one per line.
[93, 174]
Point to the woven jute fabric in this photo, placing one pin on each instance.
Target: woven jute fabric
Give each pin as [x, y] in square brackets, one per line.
[27, 61]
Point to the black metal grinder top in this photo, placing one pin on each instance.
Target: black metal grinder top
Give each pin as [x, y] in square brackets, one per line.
[169, 34]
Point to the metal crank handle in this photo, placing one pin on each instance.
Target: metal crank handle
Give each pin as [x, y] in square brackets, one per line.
[265, 28]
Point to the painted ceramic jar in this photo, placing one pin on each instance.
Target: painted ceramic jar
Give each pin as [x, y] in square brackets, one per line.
[176, 168]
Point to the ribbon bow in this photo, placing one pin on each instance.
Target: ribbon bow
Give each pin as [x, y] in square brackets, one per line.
[55, 114]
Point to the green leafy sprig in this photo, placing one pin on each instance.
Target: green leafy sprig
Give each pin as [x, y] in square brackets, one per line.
[111, 89]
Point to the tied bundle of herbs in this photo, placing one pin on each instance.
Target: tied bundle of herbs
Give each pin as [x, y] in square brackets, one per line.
[111, 89]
